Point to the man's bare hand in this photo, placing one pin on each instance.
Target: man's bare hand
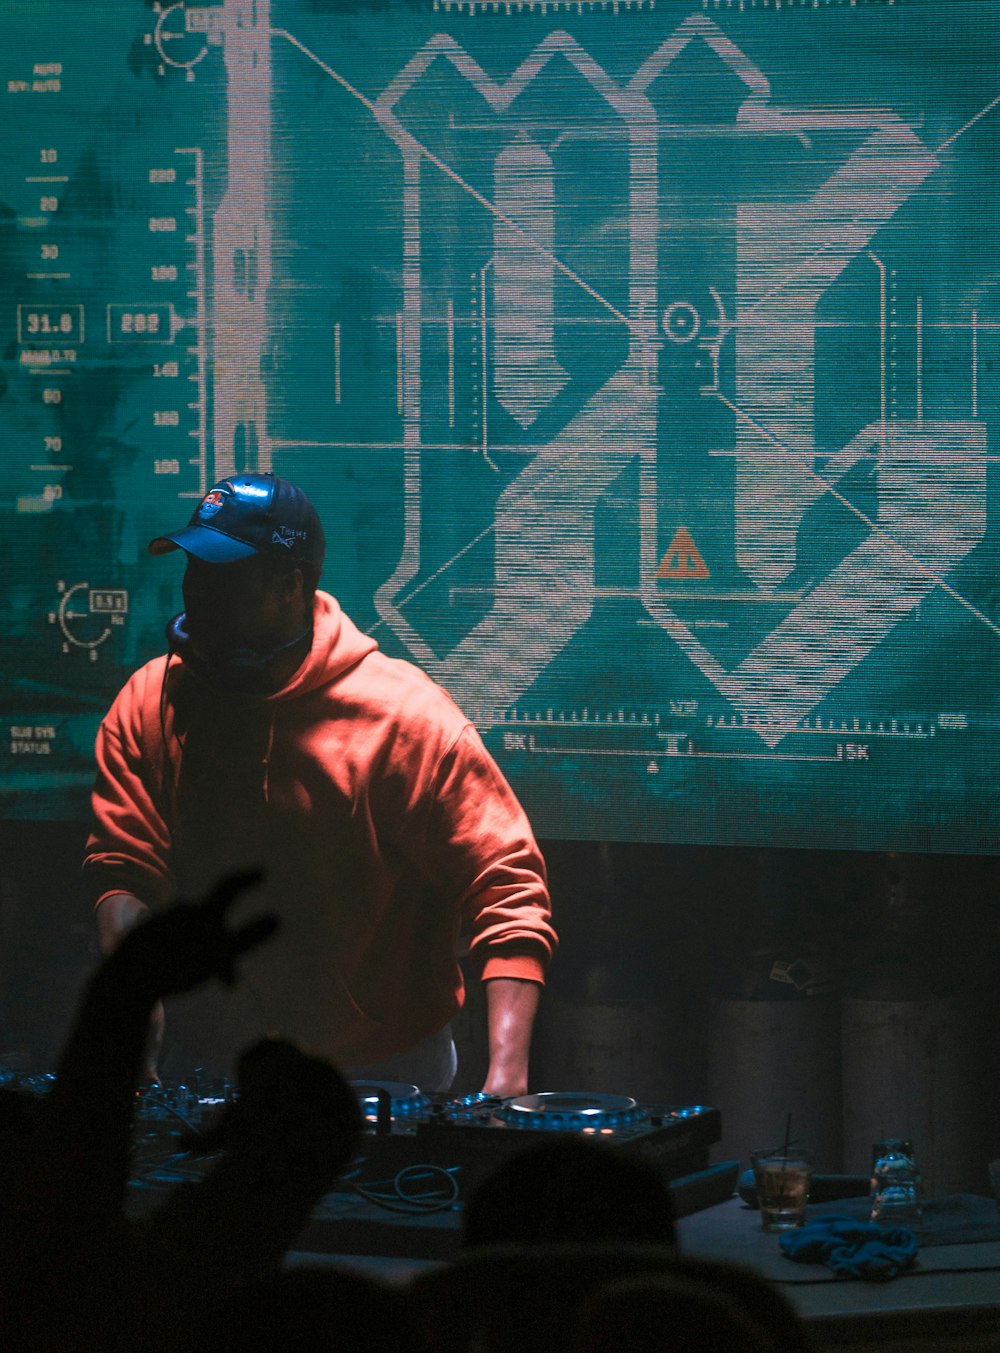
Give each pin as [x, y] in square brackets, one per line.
[176, 950]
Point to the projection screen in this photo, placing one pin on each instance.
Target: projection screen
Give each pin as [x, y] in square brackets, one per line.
[640, 357]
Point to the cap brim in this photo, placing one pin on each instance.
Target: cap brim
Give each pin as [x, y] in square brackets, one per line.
[211, 546]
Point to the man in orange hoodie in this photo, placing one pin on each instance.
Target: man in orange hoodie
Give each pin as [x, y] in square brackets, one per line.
[275, 735]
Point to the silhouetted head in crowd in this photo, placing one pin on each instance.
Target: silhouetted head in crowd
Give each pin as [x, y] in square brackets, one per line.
[570, 1189]
[558, 1297]
[655, 1311]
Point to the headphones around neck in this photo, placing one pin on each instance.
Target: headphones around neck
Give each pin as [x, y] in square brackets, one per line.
[236, 667]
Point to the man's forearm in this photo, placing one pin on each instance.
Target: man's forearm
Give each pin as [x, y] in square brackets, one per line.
[511, 1004]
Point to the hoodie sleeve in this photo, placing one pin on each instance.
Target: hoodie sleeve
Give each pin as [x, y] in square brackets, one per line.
[480, 846]
[128, 849]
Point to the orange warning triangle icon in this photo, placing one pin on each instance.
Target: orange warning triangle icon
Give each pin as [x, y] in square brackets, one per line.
[682, 560]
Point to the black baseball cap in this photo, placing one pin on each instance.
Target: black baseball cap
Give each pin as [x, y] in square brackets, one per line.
[250, 514]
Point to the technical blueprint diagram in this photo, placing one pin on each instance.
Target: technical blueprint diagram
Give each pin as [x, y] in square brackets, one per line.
[641, 358]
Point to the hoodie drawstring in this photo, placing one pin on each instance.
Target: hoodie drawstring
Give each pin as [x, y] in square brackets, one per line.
[267, 756]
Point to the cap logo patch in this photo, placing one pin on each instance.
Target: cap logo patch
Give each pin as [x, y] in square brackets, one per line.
[287, 536]
[211, 503]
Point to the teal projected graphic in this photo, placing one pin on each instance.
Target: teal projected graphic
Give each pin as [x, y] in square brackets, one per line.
[641, 358]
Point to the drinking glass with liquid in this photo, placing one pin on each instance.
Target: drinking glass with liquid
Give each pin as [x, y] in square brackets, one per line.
[782, 1178]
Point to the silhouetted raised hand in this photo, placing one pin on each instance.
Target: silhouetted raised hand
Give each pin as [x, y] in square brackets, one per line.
[179, 949]
[63, 1238]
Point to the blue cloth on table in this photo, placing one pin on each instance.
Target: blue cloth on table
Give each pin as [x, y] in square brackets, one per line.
[851, 1248]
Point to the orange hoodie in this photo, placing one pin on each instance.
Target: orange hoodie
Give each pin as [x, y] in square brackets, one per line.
[383, 824]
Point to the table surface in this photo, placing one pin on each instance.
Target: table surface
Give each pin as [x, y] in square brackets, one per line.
[949, 1301]
[946, 1277]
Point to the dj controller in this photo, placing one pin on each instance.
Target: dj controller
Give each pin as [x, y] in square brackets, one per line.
[404, 1126]
[402, 1123]
[422, 1155]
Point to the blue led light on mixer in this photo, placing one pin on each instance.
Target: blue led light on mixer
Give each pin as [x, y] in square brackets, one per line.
[471, 1108]
[406, 1101]
[555, 1112]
